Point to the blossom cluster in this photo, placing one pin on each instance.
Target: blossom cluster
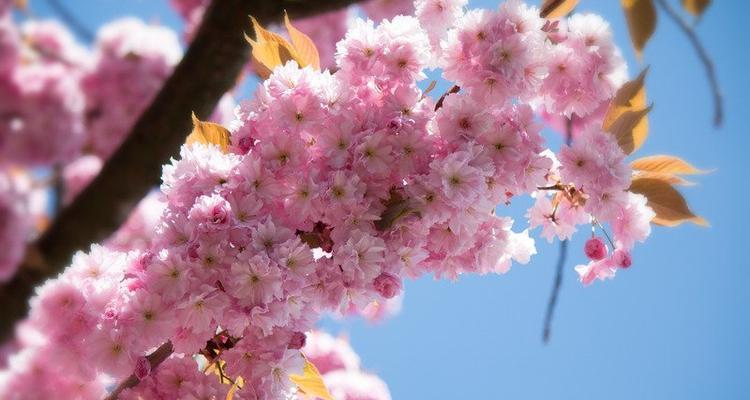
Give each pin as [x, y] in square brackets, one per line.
[337, 186]
[131, 61]
[66, 106]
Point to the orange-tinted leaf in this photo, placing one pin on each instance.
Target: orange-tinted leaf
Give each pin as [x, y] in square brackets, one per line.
[209, 133]
[267, 56]
[629, 129]
[669, 165]
[270, 50]
[670, 207]
[552, 9]
[696, 7]
[264, 35]
[630, 97]
[305, 47]
[669, 178]
[641, 17]
[311, 383]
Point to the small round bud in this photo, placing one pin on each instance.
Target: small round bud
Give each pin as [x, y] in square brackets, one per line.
[142, 368]
[297, 341]
[387, 285]
[622, 258]
[595, 249]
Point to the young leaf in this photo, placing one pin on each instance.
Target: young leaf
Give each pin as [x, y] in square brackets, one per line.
[669, 178]
[270, 50]
[641, 17]
[306, 50]
[311, 383]
[670, 207]
[267, 56]
[668, 165]
[629, 129]
[209, 133]
[552, 9]
[264, 35]
[695, 7]
[630, 97]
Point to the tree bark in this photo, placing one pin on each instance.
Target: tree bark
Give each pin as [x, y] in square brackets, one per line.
[211, 67]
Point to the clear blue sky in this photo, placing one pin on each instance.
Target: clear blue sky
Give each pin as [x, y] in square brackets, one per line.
[674, 326]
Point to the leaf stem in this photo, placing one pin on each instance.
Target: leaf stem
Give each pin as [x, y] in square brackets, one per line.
[704, 57]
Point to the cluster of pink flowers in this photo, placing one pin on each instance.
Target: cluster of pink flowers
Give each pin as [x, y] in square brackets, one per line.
[63, 105]
[58, 100]
[131, 61]
[58, 103]
[336, 186]
[41, 105]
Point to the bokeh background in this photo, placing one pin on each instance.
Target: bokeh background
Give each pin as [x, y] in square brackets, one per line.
[676, 325]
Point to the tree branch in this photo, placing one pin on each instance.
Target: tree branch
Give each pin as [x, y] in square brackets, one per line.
[154, 359]
[552, 303]
[704, 57]
[210, 68]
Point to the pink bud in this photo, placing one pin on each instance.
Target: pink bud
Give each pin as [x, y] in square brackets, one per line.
[595, 249]
[246, 143]
[219, 214]
[387, 285]
[297, 341]
[622, 258]
[142, 368]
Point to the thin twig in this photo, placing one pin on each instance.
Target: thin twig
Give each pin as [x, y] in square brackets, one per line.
[154, 359]
[704, 57]
[453, 89]
[555, 291]
[79, 27]
[557, 283]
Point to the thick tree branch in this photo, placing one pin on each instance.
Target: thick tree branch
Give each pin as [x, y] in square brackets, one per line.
[209, 69]
[713, 81]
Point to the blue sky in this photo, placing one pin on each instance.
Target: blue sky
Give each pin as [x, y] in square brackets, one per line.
[675, 325]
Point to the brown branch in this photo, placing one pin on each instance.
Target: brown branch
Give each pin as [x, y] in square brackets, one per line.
[452, 90]
[713, 81]
[210, 67]
[154, 359]
[552, 303]
[557, 283]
